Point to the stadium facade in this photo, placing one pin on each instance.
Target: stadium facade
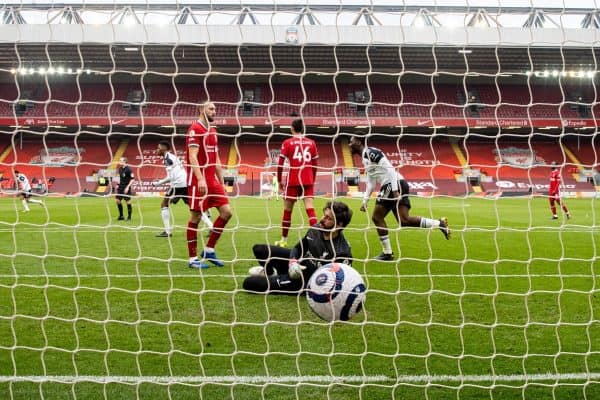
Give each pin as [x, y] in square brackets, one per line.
[409, 78]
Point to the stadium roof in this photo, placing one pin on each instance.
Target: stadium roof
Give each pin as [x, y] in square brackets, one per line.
[200, 59]
[381, 22]
[455, 13]
[198, 36]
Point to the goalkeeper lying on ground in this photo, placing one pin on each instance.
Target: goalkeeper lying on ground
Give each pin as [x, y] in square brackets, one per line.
[286, 271]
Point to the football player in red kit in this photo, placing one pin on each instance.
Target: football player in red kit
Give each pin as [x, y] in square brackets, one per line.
[205, 186]
[554, 192]
[301, 155]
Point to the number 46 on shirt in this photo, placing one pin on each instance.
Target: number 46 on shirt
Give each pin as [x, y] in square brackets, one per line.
[302, 154]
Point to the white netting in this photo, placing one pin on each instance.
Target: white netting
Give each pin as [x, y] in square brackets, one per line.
[471, 107]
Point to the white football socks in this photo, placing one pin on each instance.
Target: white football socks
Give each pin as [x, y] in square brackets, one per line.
[166, 218]
[429, 223]
[386, 244]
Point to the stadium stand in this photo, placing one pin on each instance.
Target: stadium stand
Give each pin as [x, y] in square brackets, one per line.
[586, 152]
[516, 159]
[309, 99]
[61, 160]
[514, 101]
[427, 164]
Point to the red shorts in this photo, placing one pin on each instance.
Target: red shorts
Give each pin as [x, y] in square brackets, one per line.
[298, 192]
[554, 196]
[215, 197]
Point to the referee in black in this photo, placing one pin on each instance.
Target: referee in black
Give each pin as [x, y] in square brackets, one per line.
[126, 179]
[287, 271]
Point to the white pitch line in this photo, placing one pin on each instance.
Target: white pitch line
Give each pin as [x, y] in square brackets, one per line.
[196, 379]
[255, 379]
[386, 276]
[116, 228]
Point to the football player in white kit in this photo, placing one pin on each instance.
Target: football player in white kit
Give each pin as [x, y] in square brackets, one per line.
[177, 179]
[393, 196]
[24, 191]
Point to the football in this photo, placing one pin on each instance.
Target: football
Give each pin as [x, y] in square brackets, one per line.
[336, 292]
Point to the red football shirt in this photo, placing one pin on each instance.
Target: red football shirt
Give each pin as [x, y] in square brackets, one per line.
[554, 182]
[207, 142]
[301, 154]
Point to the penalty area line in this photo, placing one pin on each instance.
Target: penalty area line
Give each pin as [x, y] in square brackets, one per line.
[292, 379]
[164, 379]
[243, 275]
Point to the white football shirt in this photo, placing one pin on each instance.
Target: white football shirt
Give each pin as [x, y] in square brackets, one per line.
[379, 170]
[23, 183]
[176, 174]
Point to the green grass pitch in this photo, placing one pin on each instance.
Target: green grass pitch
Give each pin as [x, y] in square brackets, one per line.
[512, 293]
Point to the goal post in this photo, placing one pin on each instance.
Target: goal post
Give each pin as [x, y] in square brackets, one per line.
[269, 185]
[327, 184]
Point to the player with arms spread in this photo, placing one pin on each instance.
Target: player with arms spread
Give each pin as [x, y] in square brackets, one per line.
[287, 271]
[126, 179]
[554, 193]
[205, 186]
[393, 196]
[301, 155]
[24, 191]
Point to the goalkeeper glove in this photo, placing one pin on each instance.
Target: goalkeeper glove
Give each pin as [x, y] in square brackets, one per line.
[295, 269]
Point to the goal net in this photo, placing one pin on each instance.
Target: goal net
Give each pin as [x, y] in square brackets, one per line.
[481, 109]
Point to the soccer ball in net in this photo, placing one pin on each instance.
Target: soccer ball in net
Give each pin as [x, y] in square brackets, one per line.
[336, 292]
